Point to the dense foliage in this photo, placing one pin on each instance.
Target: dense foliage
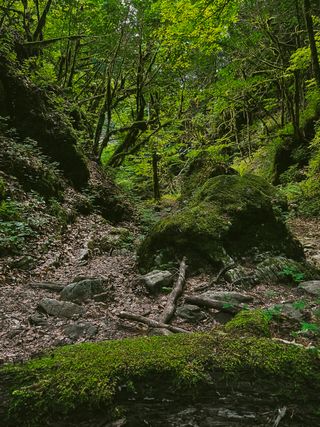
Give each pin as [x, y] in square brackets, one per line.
[153, 84]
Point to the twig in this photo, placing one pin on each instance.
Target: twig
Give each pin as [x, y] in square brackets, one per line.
[49, 286]
[150, 322]
[177, 291]
[281, 414]
[216, 279]
[211, 303]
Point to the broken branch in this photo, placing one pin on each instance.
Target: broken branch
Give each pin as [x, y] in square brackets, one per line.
[176, 293]
[150, 322]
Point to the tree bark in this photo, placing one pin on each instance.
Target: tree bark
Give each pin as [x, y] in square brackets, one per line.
[312, 41]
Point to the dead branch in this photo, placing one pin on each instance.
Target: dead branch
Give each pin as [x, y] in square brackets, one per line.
[216, 279]
[281, 414]
[211, 303]
[176, 293]
[54, 287]
[150, 322]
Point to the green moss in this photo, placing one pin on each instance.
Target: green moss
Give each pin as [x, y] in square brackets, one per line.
[200, 170]
[78, 379]
[250, 322]
[228, 214]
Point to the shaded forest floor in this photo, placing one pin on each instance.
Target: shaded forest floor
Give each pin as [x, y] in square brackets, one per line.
[25, 332]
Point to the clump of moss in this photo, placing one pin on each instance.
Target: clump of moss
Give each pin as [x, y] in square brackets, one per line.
[82, 379]
[228, 214]
[249, 322]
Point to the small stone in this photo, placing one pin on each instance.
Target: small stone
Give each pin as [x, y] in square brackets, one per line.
[312, 287]
[84, 255]
[83, 290]
[291, 312]
[60, 308]
[155, 280]
[190, 312]
[38, 320]
[79, 330]
[159, 332]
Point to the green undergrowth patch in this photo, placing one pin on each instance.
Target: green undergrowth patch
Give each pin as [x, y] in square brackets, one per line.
[79, 379]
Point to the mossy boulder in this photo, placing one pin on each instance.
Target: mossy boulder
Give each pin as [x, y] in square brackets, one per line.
[77, 382]
[250, 322]
[237, 216]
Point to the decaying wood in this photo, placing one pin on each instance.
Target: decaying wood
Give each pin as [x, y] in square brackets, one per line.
[150, 322]
[281, 414]
[55, 287]
[211, 303]
[176, 293]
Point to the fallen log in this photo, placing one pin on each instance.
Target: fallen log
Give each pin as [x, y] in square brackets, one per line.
[150, 322]
[176, 293]
[210, 303]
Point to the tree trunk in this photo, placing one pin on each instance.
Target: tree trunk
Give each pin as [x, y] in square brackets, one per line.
[156, 187]
[312, 41]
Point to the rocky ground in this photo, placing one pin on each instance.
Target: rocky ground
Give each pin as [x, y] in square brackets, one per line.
[27, 328]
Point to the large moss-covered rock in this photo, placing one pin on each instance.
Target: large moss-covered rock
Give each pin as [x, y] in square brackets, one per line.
[233, 216]
[74, 383]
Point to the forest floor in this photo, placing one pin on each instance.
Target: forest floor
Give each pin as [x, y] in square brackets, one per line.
[24, 332]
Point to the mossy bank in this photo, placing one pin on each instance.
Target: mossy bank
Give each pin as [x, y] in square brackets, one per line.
[75, 382]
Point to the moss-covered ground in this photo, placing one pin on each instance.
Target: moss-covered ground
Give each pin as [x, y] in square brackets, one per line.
[90, 377]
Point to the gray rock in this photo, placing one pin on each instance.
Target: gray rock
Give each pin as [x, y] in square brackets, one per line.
[157, 279]
[312, 287]
[60, 308]
[38, 320]
[223, 317]
[160, 332]
[291, 312]
[84, 255]
[83, 290]
[79, 330]
[231, 297]
[24, 263]
[190, 312]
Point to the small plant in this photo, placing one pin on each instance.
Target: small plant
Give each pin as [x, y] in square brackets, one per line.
[273, 312]
[299, 305]
[13, 235]
[292, 274]
[310, 327]
[9, 211]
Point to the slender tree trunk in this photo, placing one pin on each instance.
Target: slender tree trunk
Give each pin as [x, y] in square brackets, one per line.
[312, 41]
[42, 21]
[156, 186]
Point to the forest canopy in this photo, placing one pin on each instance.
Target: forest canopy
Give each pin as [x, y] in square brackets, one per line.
[153, 85]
